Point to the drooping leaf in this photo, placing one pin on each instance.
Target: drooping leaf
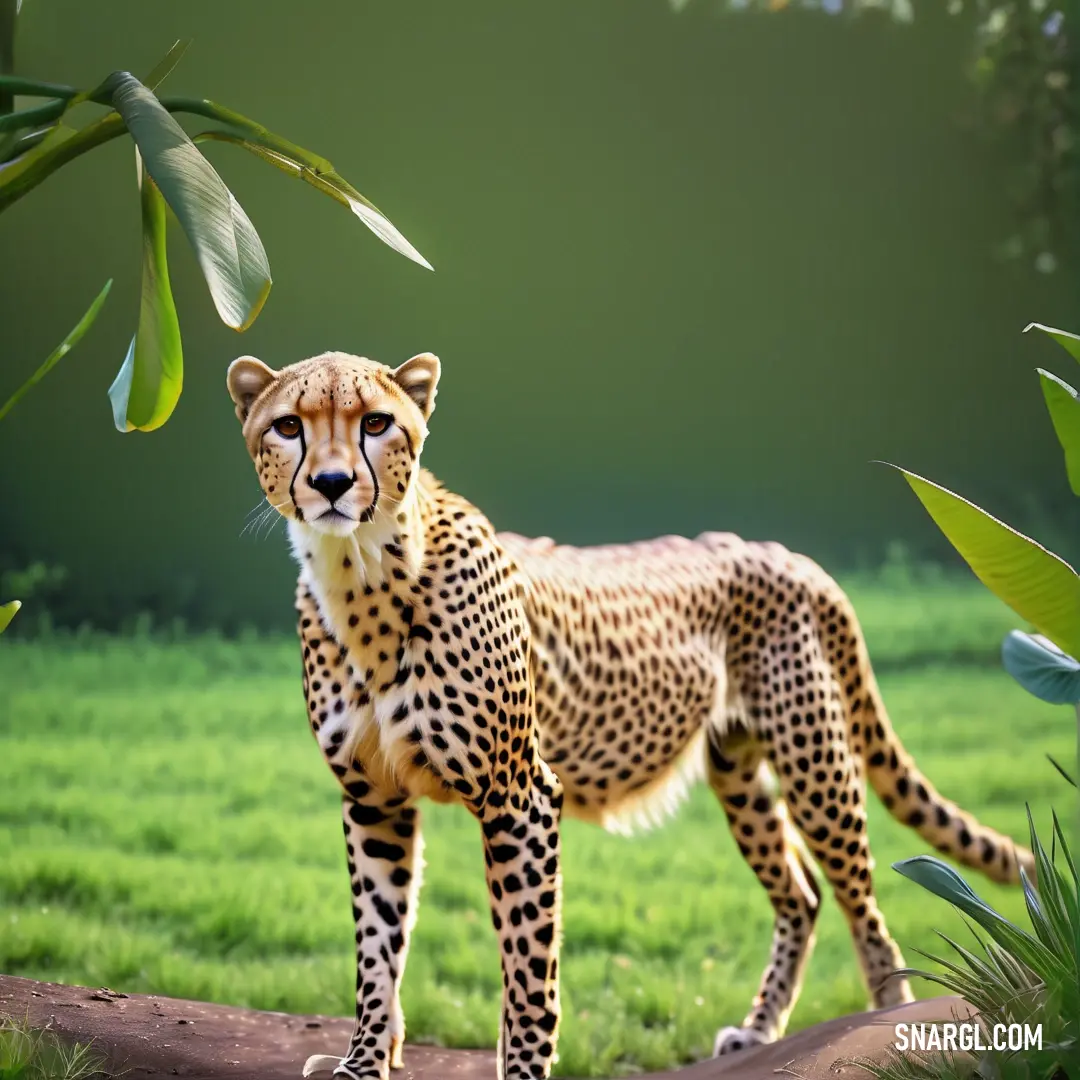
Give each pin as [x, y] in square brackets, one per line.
[148, 386]
[1064, 409]
[7, 613]
[323, 177]
[1038, 585]
[1070, 342]
[61, 350]
[1041, 668]
[226, 244]
[343, 192]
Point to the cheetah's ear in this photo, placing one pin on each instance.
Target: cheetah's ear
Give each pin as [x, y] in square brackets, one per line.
[247, 379]
[419, 377]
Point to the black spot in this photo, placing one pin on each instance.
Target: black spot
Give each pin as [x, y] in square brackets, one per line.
[377, 849]
[362, 814]
[503, 853]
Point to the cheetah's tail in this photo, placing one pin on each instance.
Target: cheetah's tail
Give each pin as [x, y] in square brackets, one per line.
[912, 799]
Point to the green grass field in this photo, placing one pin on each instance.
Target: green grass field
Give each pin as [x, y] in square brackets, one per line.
[167, 825]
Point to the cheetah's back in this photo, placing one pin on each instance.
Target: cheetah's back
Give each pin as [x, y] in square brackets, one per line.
[629, 650]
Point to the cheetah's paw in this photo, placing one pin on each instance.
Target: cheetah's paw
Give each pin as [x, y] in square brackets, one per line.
[325, 1066]
[321, 1065]
[730, 1040]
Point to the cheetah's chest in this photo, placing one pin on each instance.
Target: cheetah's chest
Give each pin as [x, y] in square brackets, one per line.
[397, 688]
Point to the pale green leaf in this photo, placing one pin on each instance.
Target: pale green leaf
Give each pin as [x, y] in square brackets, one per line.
[1064, 411]
[163, 68]
[61, 350]
[226, 244]
[1067, 341]
[1040, 587]
[7, 613]
[1041, 668]
[148, 386]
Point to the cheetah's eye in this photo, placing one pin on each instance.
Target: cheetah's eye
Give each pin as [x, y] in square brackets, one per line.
[288, 427]
[376, 423]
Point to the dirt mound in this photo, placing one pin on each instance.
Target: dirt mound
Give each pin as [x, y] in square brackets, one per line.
[159, 1037]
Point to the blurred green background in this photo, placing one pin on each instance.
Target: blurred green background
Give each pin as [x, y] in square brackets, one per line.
[692, 271]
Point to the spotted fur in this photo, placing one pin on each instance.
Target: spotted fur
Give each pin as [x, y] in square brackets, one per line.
[520, 677]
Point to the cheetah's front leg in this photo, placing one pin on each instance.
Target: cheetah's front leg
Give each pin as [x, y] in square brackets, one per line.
[384, 846]
[521, 850]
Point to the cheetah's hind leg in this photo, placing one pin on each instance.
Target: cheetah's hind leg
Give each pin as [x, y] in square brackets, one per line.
[741, 780]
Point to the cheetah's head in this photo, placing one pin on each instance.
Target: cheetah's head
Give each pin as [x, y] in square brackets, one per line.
[335, 439]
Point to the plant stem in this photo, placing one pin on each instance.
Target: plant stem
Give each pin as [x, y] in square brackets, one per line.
[31, 118]
[13, 84]
[110, 126]
[212, 111]
[8, 10]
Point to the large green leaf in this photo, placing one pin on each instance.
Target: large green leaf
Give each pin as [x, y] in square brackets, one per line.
[1064, 411]
[61, 350]
[321, 175]
[1067, 341]
[226, 244]
[147, 388]
[7, 613]
[1034, 582]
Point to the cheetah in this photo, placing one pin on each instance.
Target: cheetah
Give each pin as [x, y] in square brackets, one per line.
[524, 678]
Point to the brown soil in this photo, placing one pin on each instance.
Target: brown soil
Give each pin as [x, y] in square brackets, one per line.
[158, 1037]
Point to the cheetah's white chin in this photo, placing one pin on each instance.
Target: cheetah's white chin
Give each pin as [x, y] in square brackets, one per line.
[335, 523]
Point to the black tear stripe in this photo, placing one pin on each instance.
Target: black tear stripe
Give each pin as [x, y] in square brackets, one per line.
[369, 513]
[296, 473]
[408, 443]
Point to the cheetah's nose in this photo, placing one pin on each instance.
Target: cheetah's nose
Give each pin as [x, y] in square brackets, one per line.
[331, 485]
